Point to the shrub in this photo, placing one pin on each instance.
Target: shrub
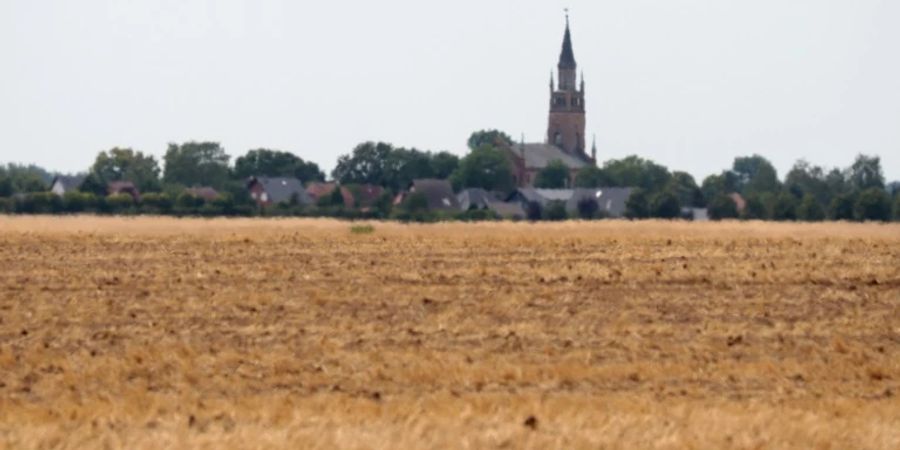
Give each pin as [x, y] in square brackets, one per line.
[157, 202]
[534, 211]
[637, 206]
[665, 205]
[7, 205]
[722, 207]
[362, 229]
[76, 202]
[755, 208]
[810, 210]
[841, 207]
[187, 201]
[587, 208]
[40, 203]
[873, 204]
[119, 204]
[415, 202]
[784, 207]
[556, 211]
[897, 207]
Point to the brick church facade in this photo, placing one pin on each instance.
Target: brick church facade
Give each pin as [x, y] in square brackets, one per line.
[565, 139]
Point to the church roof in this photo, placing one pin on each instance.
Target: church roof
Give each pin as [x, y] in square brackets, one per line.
[567, 56]
[538, 156]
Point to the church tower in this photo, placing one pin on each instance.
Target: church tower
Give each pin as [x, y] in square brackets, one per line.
[567, 117]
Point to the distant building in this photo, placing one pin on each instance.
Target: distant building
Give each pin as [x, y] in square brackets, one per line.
[565, 138]
[123, 187]
[611, 202]
[206, 193]
[273, 191]
[438, 193]
[317, 191]
[62, 184]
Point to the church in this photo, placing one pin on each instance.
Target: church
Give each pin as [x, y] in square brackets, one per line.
[565, 139]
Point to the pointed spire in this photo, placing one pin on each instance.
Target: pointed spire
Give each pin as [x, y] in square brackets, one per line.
[567, 56]
[582, 81]
[594, 147]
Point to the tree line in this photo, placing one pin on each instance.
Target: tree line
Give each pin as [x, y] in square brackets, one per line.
[749, 189]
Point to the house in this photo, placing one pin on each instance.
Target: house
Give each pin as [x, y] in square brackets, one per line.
[474, 198]
[365, 196]
[317, 191]
[508, 210]
[123, 187]
[273, 191]
[63, 183]
[611, 202]
[206, 193]
[438, 194]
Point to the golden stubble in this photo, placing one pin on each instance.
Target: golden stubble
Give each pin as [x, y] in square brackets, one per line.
[160, 333]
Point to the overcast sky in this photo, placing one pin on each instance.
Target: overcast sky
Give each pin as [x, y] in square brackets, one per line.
[688, 83]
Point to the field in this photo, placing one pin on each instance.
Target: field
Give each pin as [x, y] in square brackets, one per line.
[161, 333]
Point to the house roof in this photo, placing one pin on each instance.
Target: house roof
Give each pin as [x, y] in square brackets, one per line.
[611, 200]
[204, 192]
[538, 156]
[439, 193]
[69, 182]
[474, 197]
[280, 190]
[366, 194]
[508, 209]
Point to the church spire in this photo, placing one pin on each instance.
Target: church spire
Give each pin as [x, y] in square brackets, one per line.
[567, 56]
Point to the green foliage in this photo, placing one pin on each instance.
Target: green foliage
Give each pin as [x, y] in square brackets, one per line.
[6, 186]
[722, 207]
[634, 171]
[592, 177]
[805, 179]
[188, 201]
[556, 211]
[362, 229]
[718, 185]
[7, 205]
[393, 168]
[197, 164]
[405, 165]
[784, 207]
[119, 203]
[554, 176]
[638, 205]
[534, 211]
[755, 174]
[366, 165]
[443, 164]
[76, 202]
[872, 204]
[588, 208]
[415, 202]
[810, 210]
[865, 173]
[124, 164]
[93, 184]
[161, 201]
[492, 138]
[487, 168]
[41, 203]
[685, 188]
[897, 208]
[665, 205]
[20, 179]
[756, 208]
[275, 163]
[841, 207]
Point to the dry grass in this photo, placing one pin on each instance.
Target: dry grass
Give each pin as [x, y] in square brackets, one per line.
[159, 333]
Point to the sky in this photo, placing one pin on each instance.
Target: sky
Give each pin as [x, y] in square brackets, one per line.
[690, 84]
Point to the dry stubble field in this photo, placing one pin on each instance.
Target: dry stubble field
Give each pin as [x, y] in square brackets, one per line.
[159, 333]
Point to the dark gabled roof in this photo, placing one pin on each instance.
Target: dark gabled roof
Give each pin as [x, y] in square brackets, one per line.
[205, 192]
[439, 193]
[69, 182]
[538, 156]
[567, 56]
[280, 190]
[611, 200]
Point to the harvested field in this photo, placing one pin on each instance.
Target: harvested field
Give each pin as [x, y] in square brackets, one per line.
[160, 333]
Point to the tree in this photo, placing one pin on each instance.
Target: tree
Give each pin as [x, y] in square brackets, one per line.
[756, 209]
[554, 176]
[443, 164]
[719, 185]
[493, 138]
[810, 210]
[755, 174]
[197, 164]
[22, 179]
[897, 208]
[684, 187]
[592, 177]
[805, 179]
[125, 164]
[873, 204]
[556, 211]
[6, 186]
[783, 207]
[486, 168]
[841, 207]
[865, 173]
[275, 163]
[366, 165]
[722, 207]
[637, 206]
[405, 165]
[588, 208]
[634, 171]
[665, 205]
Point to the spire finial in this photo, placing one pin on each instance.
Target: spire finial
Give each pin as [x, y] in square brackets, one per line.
[567, 16]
